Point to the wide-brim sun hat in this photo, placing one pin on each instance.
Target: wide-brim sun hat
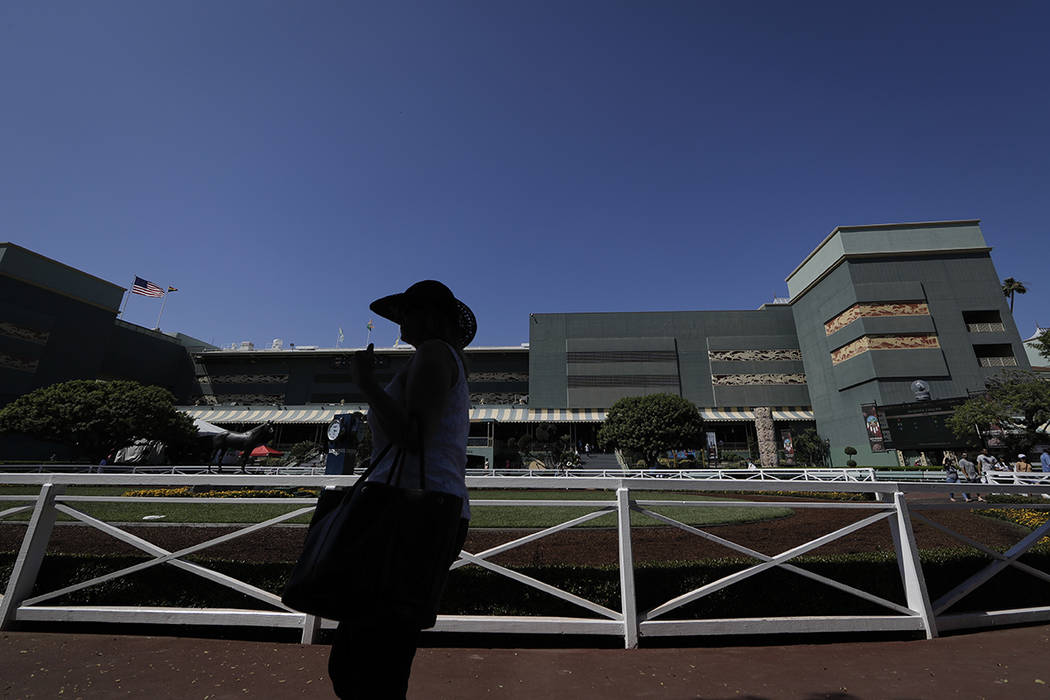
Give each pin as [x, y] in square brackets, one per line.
[433, 294]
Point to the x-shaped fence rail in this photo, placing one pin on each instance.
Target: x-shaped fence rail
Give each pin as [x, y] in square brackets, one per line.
[898, 504]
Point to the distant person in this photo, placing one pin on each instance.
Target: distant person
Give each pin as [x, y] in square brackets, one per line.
[985, 462]
[1044, 459]
[970, 474]
[951, 475]
[1022, 464]
[998, 465]
[426, 404]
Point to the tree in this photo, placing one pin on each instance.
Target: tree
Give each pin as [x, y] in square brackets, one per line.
[97, 417]
[1017, 402]
[810, 448]
[647, 426]
[1042, 343]
[1011, 287]
[850, 450]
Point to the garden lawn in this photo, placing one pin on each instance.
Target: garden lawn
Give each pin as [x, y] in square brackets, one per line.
[240, 510]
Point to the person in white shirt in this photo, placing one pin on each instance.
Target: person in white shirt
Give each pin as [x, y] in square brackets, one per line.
[970, 474]
[985, 464]
[425, 412]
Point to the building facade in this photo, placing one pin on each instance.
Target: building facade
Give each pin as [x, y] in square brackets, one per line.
[877, 307]
[58, 323]
[869, 311]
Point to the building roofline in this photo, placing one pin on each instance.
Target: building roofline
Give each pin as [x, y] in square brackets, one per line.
[343, 351]
[864, 227]
[61, 264]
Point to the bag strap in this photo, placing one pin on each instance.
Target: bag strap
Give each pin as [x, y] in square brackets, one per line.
[422, 465]
[372, 466]
[399, 463]
[394, 475]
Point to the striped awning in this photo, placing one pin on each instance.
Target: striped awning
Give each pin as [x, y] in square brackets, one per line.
[247, 414]
[793, 415]
[508, 414]
[324, 414]
[500, 414]
[718, 414]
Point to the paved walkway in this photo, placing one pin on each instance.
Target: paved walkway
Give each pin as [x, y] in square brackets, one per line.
[1007, 663]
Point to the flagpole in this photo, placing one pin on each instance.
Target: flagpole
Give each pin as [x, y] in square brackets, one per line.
[127, 295]
[163, 301]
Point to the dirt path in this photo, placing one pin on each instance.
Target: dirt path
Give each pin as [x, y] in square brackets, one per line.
[1008, 664]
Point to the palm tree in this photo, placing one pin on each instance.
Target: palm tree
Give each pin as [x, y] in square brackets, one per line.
[1011, 287]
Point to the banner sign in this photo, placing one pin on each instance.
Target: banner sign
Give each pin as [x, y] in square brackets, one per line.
[872, 426]
[789, 447]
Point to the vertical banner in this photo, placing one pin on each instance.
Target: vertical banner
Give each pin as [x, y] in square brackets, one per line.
[789, 447]
[712, 447]
[872, 427]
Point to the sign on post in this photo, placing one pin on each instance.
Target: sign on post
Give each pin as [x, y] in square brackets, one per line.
[876, 438]
[789, 447]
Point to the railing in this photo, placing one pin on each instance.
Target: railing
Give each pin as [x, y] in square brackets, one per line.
[997, 361]
[779, 474]
[985, 327]
[1004, 477]
[776, 474]
[896, 504]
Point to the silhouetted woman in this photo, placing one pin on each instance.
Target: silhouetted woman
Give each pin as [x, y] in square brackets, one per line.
[426, 403]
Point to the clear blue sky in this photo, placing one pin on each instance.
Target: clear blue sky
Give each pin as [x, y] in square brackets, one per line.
[284, 163]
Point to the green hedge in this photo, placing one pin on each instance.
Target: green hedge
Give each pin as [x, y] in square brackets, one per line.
[473, 591]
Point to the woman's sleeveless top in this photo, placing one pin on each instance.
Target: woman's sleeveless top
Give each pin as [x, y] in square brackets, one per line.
[445, 450]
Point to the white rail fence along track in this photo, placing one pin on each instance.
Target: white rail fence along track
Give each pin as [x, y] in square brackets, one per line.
[899, 504]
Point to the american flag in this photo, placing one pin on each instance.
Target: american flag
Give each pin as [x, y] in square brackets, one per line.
[146, 288]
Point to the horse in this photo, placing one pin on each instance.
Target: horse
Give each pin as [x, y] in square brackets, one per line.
[220, 442]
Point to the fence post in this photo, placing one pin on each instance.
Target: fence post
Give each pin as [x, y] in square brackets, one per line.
[895, 532]
[311, 626]
[918, 597]
[31, 554]
[627, 600]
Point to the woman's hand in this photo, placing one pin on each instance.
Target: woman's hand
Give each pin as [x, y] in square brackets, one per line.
[362, 368]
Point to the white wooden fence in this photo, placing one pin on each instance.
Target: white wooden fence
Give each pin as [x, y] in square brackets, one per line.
[900, 504]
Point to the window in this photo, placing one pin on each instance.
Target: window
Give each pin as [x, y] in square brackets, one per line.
[983, 321]
[995, 355]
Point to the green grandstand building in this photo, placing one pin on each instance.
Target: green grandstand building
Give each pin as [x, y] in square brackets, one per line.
[870, 310]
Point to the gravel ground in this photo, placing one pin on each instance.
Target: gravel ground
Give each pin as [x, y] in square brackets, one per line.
[1007, 663]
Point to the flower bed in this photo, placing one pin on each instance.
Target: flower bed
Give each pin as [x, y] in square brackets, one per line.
[187, 492]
